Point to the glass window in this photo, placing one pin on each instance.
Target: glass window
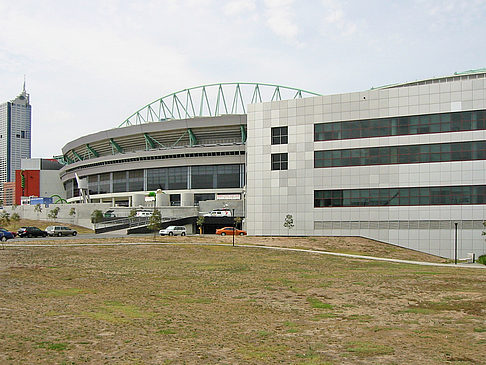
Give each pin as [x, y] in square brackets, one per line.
[461, 151]
[105, 183]
[202, 197]
[157, 179]
[119, 181]
[228, 176]
[429, 123]
[440, 195]
[279, 161]
[177, 178]
[93, 184]
[68, 186]
[135, 180]
[203, 177]
[175, 200]
[279, 135]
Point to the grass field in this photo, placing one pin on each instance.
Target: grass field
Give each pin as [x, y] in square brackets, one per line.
[216, 304]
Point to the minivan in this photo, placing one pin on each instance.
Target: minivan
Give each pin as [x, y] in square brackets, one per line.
[60, 231]
[173, 231]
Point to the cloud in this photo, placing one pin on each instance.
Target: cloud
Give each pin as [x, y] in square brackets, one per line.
[238, 7]
[336, 17]
[280, 19]
[445, 13]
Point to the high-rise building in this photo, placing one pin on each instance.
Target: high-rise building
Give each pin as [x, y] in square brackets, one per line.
[15, 136]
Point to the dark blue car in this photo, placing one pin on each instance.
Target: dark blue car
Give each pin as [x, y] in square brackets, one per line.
[5, 235]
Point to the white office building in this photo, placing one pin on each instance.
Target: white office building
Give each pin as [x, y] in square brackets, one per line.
[15, 136]
[403, 164]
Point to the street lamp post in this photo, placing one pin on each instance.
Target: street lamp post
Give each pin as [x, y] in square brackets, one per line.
[455, 243]
[234, 228]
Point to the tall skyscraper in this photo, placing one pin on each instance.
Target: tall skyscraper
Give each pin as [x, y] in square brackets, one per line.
[15, 136]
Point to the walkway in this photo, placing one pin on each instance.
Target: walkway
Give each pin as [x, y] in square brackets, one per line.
[468, 266]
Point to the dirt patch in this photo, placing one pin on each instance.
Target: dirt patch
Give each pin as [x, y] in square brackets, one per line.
[219, 304]
[349, 245]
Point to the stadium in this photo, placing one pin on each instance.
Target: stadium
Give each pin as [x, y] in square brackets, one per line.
[402, 164]
[188, 145]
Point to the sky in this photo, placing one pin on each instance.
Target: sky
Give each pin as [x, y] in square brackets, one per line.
[90, 64]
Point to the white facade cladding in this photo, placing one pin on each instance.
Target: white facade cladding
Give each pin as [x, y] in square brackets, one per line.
[401, 164]
[15, 135]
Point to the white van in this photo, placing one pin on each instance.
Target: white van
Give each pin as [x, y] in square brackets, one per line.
[219, 213]
[144, 213]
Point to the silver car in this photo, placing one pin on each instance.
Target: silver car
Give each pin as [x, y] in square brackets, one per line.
[173, 231]
[60, 231]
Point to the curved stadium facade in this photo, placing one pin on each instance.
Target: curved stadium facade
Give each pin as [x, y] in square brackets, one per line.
[189, 144]
[403, 164]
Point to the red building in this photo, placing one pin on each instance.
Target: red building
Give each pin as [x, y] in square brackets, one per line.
[27, 183]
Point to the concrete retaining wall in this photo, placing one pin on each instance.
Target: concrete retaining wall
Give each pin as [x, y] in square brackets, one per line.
[82, 216]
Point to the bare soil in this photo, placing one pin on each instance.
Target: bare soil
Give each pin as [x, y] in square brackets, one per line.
[223, 305]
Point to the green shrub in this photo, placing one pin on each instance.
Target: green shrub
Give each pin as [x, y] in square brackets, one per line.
[482, 259]
[96, 216]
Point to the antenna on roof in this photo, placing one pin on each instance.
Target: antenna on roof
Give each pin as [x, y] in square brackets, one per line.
[24, 84]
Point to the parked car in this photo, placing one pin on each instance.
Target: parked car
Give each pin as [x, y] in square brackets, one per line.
[219, 213]
[173, 231]
[13, 232]
[144, 213]
[231, 231]
[60, 231]
[109, 214]
[5, 235]
[31, 232]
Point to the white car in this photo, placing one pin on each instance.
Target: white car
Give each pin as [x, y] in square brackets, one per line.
[219, 213]
[173, 231]
[144, 213]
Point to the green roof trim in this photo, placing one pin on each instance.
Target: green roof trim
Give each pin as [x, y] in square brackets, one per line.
[211, 100]
[115, 146]
[192, 137]
[243, 133]
[92, 150]
[479, 70]
[77, 155]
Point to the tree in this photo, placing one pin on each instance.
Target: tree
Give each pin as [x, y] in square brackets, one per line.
[96, 216]
[5, 219]
[133, 213]
[155, 221]
[200, 223]
[289, 223]
[53, 213]
[72, 212]
[38, 210]
[238, 222]
[15, 217]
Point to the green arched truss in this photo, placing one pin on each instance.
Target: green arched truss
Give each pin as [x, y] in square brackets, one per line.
[59, 199]
[212, 100]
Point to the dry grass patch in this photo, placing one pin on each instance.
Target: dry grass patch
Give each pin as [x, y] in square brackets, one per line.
[205, 304]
